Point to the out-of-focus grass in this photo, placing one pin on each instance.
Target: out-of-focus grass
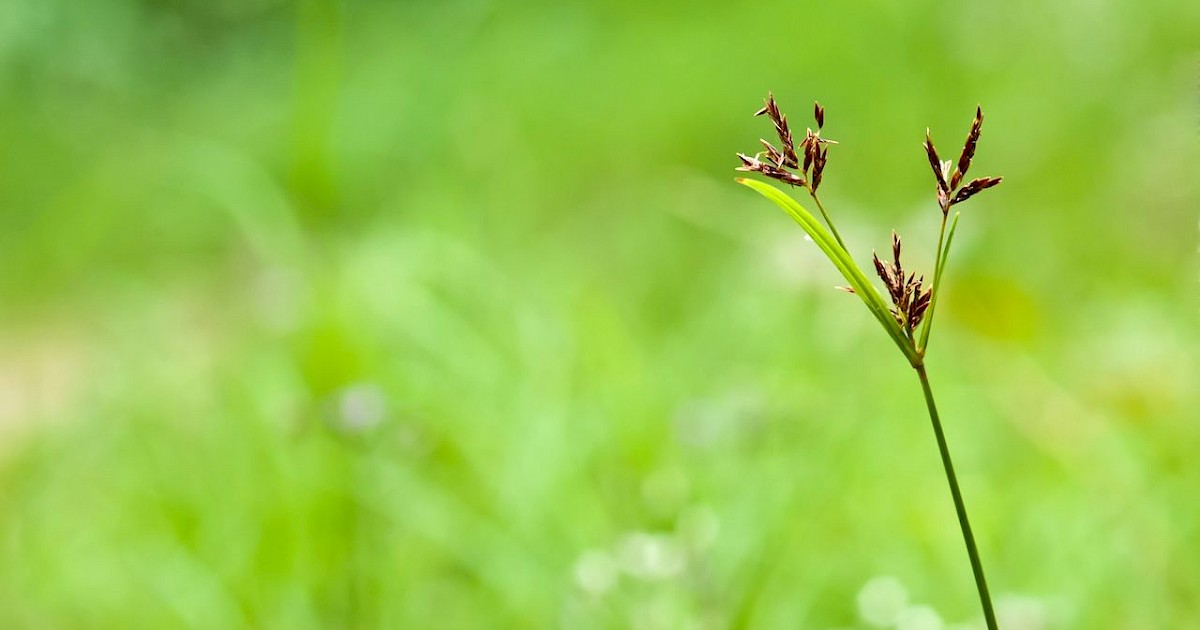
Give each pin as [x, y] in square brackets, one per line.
[401, 315]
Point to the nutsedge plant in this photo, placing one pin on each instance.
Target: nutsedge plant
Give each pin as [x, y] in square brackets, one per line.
[909, 318]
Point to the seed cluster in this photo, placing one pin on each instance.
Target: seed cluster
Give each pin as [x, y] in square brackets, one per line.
[949, 175]
[909, 300]
[784, 164]
[804, 165]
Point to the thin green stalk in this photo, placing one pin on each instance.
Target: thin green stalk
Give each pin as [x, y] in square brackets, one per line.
[937, 263]
[939, 266]
[937, 271]
[820, 206]
[985, 597]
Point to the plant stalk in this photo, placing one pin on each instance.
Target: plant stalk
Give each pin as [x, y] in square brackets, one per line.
[937, 276]
[985, 597]
[820, 206]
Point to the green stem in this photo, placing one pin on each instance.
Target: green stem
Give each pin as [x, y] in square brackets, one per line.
[938, 270]
[937, 263]
[976, 565]
[937, 267]
[820, 206]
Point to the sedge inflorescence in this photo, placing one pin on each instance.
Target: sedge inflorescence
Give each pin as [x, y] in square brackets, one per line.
[803, 165]
[909, 318]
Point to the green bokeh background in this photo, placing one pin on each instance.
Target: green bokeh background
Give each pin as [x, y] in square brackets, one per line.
[449, 315]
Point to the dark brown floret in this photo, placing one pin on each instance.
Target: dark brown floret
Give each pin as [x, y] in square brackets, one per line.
[755, 165]
[819, 166]
[809, 147]
[974, 186]
[777, 156]
[771, 109]
[949, 192]
[909, 300]
[783, 161]
[968, 152]
[936, 165]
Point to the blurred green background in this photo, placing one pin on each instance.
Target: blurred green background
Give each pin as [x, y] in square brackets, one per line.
[450, 315]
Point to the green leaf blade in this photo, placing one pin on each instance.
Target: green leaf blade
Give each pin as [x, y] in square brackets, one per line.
[841, 259]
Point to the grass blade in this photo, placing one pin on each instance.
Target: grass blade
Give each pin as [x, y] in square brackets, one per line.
[841, 259]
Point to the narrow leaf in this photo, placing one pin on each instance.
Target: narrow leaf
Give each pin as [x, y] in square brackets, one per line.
[840, 259]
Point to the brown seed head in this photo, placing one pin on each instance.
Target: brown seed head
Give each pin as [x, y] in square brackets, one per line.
[917, 311]
[750, 164]
[909, 300]
[777, 156]
[782, 160]
[809, 147]
[892, 276]
[974, 186]
[755, 165]
[882, 271]
[819, 166]
[785, 137]
[896, 249]
[968, 152]
[936, 164]
[769, 107]
[912, 291]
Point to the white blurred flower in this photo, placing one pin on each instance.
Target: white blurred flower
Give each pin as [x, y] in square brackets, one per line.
[881, 600]
[918, 618]
[651, 556]
[359, 408]
[1019, 612]
[595, 572]
[705, 422]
